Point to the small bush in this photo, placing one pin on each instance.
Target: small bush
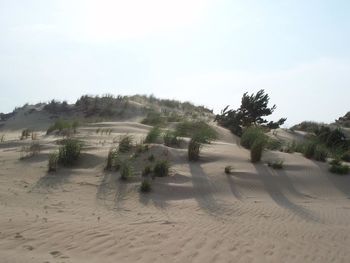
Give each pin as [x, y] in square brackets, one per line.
[346, 156]
[141, 148]
[250, 135]
[170, 139]
[198, 129]
[61, 125]
[228, 169]
[151, 158]
[276, 164]
[145, 186]
[194, 148]
[125, 143]
[25, 134]
[309, 149]
[2, 138]
[113, 161]
[154, 119]
[53, 160]
[161, 168]
[153, 135]
[126, 171]
[338, 168]
[147, 170]
[69, 153]
[256, 150]
[273, 144]
[320, 153]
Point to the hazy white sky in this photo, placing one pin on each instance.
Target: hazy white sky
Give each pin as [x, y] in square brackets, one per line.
[207, 51]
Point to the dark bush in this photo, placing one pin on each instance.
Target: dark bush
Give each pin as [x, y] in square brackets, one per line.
[228, 169]
[171, 139]
[153, 135]
[250, 135]
[256, 150]
[69, 153]
[125, 143]
[338, 168]
[145, 186]
[161, 168]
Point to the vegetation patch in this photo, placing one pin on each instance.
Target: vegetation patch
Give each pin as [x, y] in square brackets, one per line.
[53, 161]
[276, 164]
[125, 143]
[161, 168]
[145, 186]
[69, 152]
[153, 135]
[338, 167]
[229, 169]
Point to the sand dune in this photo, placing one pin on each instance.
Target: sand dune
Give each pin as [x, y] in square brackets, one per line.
[198, 214]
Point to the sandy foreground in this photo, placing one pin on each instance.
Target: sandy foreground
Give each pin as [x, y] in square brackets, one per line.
[198, 214]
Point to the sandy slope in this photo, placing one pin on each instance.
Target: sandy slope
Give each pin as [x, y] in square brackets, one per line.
[198, 214]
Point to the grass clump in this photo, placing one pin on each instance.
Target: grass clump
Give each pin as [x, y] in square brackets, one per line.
[161, 168]
[113, 161]
[346, 156]
[25, 134]
[2, 138]
[125, 143]
[199, 129]
[69, 152]
[153, 135]
[320, 153]
[250, 135]
[256, 150]
[151, 158]
[276, 164]
[145, 186]
[63, 125]
[154, 118]
[171, 139]
[309, 149]
[228, 169]
[337, 167]
[53, 161]
[126, 171]
[147, 170]
[194, 148]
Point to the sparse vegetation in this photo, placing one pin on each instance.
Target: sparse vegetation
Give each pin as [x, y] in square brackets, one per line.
[199, 129]
[69, 152]
[257, 149]
[320, 153]
[194, 148]
[276, 164]
[171, 139]
[63, 127]
[228, 169]
[154, 118]
[151, 158]
[145, 186]
[25, 134]
[2, 138]
[250, 135]
[147, 170]
[126, 171]
[113, 161]
[53, 160]
[153, 135]
[337, 167]
[125, 143]
[161, 168]
[30, 151]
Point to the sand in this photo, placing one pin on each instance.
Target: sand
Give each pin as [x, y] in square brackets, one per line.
[197, 214]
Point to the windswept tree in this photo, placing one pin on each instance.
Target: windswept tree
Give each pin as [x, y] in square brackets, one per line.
[252, 111]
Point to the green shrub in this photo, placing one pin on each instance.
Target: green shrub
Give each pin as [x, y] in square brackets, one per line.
[154, 119]
[151, 158]
[125, 143]
[346, 156]
[250, 135]
[53, 160]
[309, 149]
[147, 170]
[273, 144]
[25, 134]
[170, 139]
[338, 168]
[141, 148]
[2, 138]
[153, 135]
[126, 171]
[161, 168]
[113, 161]
[201, 130]
[194, 148]
[276, 164]
[228, 169]
[145, 186]
[61, 125]
[320, 153]
[69, 153]
[256, 150]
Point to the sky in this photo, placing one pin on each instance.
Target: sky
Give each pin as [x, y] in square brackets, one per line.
[208, 52]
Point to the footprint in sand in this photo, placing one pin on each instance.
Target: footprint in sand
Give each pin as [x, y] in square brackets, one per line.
[57, 254]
